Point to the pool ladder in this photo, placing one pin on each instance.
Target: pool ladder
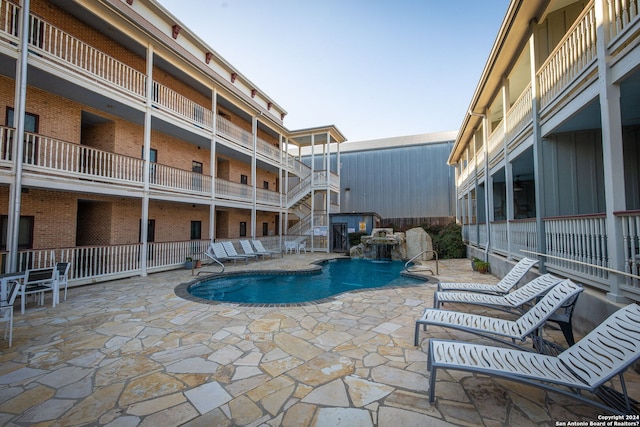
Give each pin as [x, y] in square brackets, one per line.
[421, 268]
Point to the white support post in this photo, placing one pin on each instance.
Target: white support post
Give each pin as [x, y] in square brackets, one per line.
[144, 221]
[213, 166]
[612, 154]
[254, 178]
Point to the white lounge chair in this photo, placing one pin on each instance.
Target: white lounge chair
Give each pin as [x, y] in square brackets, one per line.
[221, 255]
[511, 302]
[507, 283]
[261, 250]
[604, 353]
[6, 311]
[248, 249]
[231, 251]
[528, 325]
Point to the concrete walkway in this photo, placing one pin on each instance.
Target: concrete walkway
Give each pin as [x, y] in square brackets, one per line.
[132, 353]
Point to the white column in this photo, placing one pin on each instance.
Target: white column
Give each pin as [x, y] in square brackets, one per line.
[144, 221]
[313, 198]
[612, 153]
[213, 165]
[328, 206]
[254, 171]
[508, 175]
[538, 170]
[15, 188]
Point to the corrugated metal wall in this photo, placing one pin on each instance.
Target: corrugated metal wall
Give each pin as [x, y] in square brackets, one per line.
[398, 182]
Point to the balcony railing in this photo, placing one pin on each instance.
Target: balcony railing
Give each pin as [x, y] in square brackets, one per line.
[520, 114]
[70, 51]
[581, 238]
[622, 14]
[496, 141]
[182, 106]
[233, 190]
[572, 55]
[630, 225]
[267, 197]
[268, 150]
[179, 179]
[234, 133]
[523, 236]
[43, 152]
[9, 19]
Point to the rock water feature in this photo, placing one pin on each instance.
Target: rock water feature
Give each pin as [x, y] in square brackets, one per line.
[384, 244]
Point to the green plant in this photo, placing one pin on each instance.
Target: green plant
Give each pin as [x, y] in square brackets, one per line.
[354, 238]
[447, 240]
[481, 266]
[188, 259]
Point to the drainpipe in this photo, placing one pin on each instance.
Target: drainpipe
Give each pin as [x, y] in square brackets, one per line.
[15, 201]
[485, 148]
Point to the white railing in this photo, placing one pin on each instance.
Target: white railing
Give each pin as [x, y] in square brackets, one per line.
[180, 179]
[233, 190]
[572, 55]
[499, 237]
[9, 19]
[630, 225]
[267, 197]
[43, 152]
[496, 140]
[523, 236]
[578, 238]
[299, 191]
[181, 106]
[234, 133]
[482, 235]
[73, 52]
[268, 150]
[297, 167]
[622, 13]
[473, 234]
[164, 254]
[520, 114]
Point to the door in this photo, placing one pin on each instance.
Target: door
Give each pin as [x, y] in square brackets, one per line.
[339, 237]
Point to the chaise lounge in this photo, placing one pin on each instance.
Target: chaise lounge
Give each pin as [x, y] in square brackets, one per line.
[604, 353]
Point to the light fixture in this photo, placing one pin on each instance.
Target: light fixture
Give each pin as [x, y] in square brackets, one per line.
[517, 186]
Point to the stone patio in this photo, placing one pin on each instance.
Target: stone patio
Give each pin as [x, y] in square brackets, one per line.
[131, 353]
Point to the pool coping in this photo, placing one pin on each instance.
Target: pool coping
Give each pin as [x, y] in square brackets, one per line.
[181, 290]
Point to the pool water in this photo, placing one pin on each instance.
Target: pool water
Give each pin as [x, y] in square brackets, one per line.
[335, 277]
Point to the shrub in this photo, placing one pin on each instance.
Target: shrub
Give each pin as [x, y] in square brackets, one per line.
[447, 240]
[354, 238]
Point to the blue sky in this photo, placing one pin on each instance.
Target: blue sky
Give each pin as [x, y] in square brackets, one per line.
[375, 69]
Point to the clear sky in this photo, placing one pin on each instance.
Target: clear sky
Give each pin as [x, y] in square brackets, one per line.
[373, 68]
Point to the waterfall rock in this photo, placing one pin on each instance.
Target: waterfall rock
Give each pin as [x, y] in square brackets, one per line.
[417, 241]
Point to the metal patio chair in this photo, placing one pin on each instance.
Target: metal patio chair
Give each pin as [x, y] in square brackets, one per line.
[529, 325]
[261, 250]
[604, 353]
[6, 310]
[231, 251]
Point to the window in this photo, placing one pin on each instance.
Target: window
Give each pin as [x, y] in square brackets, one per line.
[196, 177]
[243, 229]
[25, 232]
[244, 179]
[265, 228]
[196, 230]
[265, 185]
[30, 141]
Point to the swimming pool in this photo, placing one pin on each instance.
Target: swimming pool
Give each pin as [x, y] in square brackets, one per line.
[333, 278]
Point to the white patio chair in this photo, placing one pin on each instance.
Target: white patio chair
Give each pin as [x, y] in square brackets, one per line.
[528, 325]
[221, 255]
[261, 250]
[63, 276]
[604, 353]
[295, 245]
[248, 249]
[507, 283]
[6, 311]
[231, 251]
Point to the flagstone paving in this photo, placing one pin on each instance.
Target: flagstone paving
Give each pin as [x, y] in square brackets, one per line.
[132, 353]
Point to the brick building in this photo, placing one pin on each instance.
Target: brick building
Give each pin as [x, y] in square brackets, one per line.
[141, 144]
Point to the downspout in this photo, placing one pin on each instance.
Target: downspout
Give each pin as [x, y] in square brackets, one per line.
[15, 201]
[485, 148]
